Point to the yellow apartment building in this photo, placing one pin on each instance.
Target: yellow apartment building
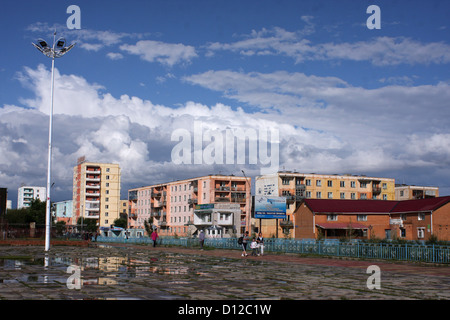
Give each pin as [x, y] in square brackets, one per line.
[96, 191]
[296, 186]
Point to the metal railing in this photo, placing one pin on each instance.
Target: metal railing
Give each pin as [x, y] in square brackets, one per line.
[356, 249]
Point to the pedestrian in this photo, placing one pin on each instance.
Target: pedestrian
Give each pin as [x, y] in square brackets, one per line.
[254, 247]
[245, 239]
[260, 241]
[201, 238]
[154, 237]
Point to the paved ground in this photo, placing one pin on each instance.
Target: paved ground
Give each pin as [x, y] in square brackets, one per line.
[163, 273]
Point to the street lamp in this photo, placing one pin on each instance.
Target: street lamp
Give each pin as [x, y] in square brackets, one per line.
[56, 51]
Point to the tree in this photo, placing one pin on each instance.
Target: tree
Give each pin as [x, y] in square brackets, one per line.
[34, 213]
[121, 222]
[148, 226]
[89, 224]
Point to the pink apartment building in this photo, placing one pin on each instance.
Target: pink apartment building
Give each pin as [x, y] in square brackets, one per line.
[173, 205]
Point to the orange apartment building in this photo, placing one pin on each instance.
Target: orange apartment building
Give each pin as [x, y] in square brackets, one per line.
[297, 186]
[172, 205]
[365, 219]
[96, 192]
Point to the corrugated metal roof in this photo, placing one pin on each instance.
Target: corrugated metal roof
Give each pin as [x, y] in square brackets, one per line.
[374, 206]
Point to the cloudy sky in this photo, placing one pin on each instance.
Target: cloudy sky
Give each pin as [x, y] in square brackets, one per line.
[343, 98]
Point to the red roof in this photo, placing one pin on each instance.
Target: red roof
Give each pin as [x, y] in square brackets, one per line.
[340, 225]
[349, 206]
[420, 205]
[374, 206]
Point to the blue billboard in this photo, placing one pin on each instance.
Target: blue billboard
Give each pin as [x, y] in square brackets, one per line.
[267, 207]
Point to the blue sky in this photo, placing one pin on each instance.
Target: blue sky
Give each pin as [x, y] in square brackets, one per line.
[344, 98]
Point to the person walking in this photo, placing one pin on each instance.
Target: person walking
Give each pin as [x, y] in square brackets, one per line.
[201, 238]
[244, 244]
[154, 237]
[260, 241]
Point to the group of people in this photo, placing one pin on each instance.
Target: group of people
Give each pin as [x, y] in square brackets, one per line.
[257, 245]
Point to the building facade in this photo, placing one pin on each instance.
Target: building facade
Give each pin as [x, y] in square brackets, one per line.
[63, 211]
[96, 192]
[297, 186]
[27, 193]
[365, 219]
[170, 206]
[408, 192]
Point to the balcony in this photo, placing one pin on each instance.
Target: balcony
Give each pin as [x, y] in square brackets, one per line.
[300, 187]
[192, 201]
[93, 179]
[376, 189]
[93, 186]
[223, 189]
[222, 199]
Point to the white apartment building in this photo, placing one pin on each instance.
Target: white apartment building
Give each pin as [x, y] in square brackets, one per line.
[27, 193]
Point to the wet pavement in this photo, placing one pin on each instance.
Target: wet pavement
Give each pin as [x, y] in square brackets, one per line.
[105, 271]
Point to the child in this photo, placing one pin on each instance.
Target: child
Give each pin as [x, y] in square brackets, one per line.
[254, 247]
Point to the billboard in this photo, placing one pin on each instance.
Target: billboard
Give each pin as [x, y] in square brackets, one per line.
[267, 207]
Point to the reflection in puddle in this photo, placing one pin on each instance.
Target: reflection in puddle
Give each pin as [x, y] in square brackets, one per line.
[96, 270]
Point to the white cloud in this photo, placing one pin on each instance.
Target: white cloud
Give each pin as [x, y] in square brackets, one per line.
[380, 51]
[114, 55]
[164, 53]
[324, 125]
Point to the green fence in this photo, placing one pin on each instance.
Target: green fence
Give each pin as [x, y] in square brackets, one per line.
[356, 249]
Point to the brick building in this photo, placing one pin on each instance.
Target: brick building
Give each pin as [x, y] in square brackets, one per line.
[365, 219]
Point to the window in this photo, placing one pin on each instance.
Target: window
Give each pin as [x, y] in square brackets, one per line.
[107, 177]
[285, 181]
[363, 184]
[384, 185]
[401, 193]
[384, 196]
[332, 217]
[420, 233]
[318, 194]
[308, 194]
[330, 195]
[403, 216]
[352, 195]
[421, 216]
[308, 182]
[330, 183]
[342, 195]
[402, 232]
[361, 217]
[342, 184]
[318, 183]
[353, 184]
[363, 196]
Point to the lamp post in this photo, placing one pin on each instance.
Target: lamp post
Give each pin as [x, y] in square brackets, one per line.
[56, 51]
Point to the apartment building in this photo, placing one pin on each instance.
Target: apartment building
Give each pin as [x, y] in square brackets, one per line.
[409, 192]
[27, 193]
[96, 192]
[172, 204]
[297, 186]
